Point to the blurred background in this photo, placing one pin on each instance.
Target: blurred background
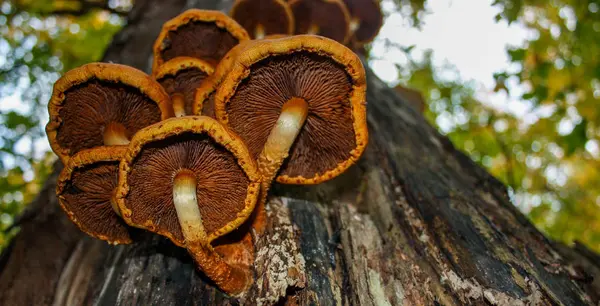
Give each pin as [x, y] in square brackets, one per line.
[515, 84]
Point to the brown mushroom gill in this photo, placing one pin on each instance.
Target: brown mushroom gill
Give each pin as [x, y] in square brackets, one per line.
[198, 39]
[182, 87]
[182, 165]
[97, 113]
[87, 196]
[208, 106]
[283, 88]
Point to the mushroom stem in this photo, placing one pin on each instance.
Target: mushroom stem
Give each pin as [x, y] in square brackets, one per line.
[232, 279]
[313, 29]
[186, 205]
[354, 24]
[259, 32]
[178, 104]
[276, 150]
[115, 134]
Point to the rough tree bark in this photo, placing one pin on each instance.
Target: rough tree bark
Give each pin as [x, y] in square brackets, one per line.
[414, 223]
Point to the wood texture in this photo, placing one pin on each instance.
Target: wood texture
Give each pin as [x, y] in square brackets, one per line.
[415, 222]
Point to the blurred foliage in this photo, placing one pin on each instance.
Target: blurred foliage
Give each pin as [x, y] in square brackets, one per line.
[39, 41]
[549, 158]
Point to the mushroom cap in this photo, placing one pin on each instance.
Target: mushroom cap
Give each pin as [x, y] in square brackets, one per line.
[86, 99]
[275, 36]
[275, 16]
[331, 16]
[327, 75]
[369, 13]
[226, 175]
[205, 93]
[202, 34]
[183, 75]
[84, 189]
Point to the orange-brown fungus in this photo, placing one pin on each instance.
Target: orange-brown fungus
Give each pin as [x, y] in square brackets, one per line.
[263, 17]
[206, 35]
[221, 182]
[182, 75]
[327, 137]
[85, 188]
[102, 104]
[366, 19]
[226, 182]
[192, 180]
[329, 18]
[90, 107]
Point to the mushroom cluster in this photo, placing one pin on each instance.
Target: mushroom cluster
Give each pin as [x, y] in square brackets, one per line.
[190, 152]
[351, 22]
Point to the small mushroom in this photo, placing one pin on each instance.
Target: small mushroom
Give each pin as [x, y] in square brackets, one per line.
[329, 18]
[180, 77]
[102, 104]
[202, 34]
[366, 19]
[192, 181]
[85, 188]
[263, 17]
[299, 103]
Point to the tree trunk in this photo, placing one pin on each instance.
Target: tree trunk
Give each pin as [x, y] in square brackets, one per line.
[414, 223]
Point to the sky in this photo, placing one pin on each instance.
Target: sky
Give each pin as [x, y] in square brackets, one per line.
[462, 33]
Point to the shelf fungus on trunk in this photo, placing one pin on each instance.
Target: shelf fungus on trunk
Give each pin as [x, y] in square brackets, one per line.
[203, 34]
[180, 77]
[102, 104]
[366, 19]
[85, 188]
[299, 103]
[192, 180]
[329, 18]
[263, 17]
[205, 94]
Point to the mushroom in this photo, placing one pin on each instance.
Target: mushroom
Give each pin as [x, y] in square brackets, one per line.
[180, 77]
[263, 17]
[102, 104]
[84, 189]
[365, 21]
[191, 180]
[329, 18]
[202, 34]
[302, 97]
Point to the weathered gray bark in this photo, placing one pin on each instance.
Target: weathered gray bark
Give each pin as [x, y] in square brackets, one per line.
[414, 223]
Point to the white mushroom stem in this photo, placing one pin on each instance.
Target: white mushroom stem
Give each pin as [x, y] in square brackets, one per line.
[115, 134]
[282, 137]
[232, 279]
[259, 32]
[178, 104]
[313, 29]
[186, 205]
[354, 24]
[277, 148]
